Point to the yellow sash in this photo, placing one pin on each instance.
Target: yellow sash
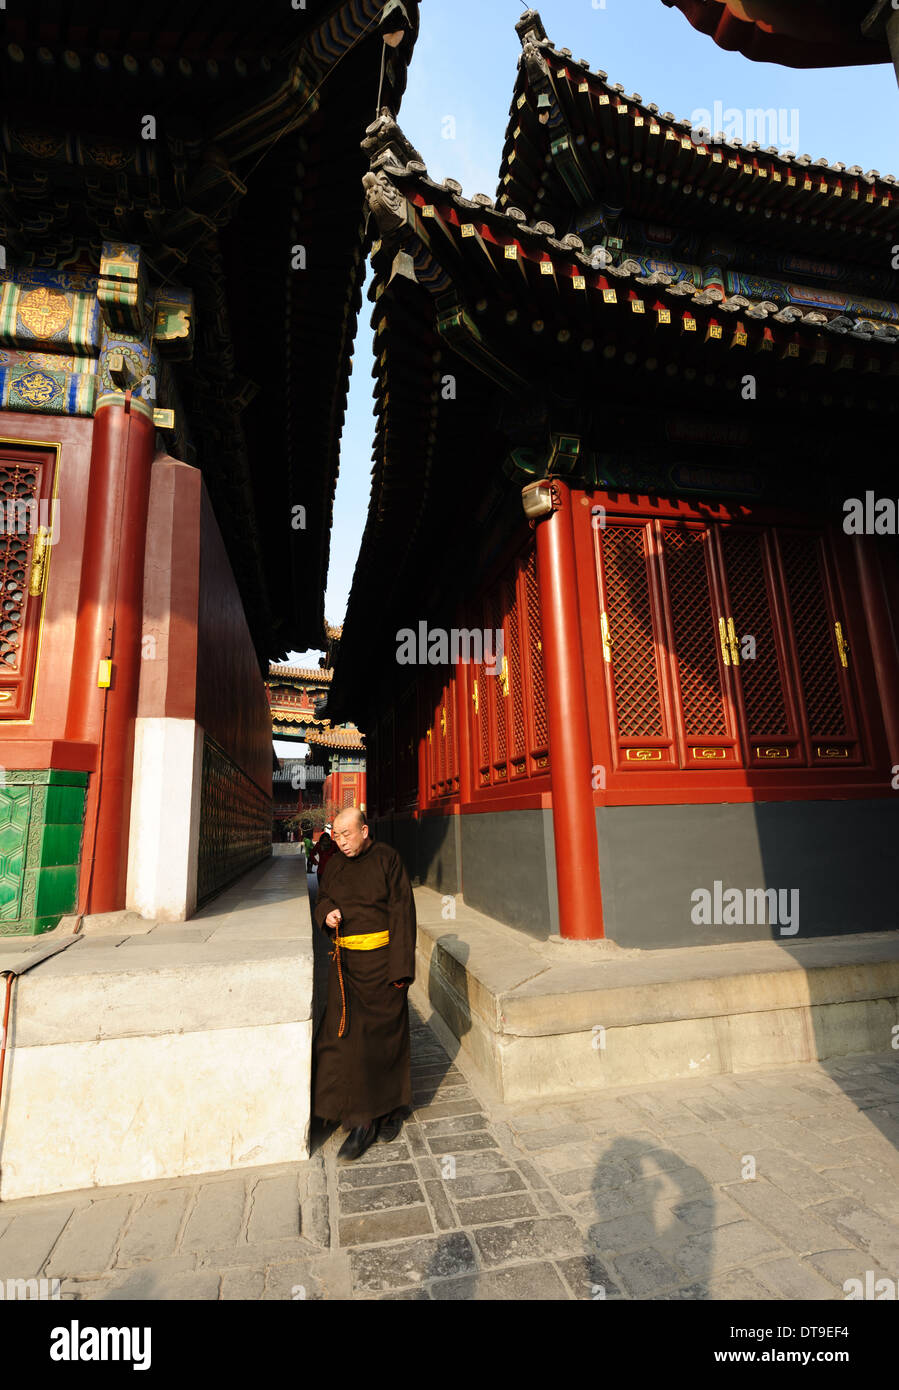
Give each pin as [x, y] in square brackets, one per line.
[369, 942]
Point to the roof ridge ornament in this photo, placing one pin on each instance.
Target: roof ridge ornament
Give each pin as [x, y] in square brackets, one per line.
[386, 201]
[385, 142]
[530, 26]
[534, 61]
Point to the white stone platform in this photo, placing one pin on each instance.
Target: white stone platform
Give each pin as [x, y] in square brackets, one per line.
[157, 1050]
[545, 1018]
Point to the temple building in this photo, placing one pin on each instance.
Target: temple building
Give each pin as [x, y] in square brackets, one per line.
[288, 780]
[617, 633]
[182, 258]
[333, 773]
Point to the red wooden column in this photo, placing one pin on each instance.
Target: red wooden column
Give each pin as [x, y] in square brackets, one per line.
[882, 638]
[570, 760]
[109, 627]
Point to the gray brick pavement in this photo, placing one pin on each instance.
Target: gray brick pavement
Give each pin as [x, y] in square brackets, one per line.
[637, 1194]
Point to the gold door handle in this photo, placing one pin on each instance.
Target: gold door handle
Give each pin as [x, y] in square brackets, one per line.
[474, 697]
[606, 638]
[734, 642]
[723, 638]
[842, 644]
[504, 676]
[443, 722]
[39, 560]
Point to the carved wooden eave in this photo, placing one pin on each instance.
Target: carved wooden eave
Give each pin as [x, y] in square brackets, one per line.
[576, 141]
[258, 147]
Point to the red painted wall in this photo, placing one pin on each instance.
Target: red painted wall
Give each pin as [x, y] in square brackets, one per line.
[204, 666]
[171, 592]
[232, 704]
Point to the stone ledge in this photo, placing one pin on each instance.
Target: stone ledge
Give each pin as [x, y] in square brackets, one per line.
[525, 1013]
[165, 1056]
[145, 998]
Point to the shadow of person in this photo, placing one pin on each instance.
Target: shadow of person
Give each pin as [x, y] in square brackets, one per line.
[655, 1232]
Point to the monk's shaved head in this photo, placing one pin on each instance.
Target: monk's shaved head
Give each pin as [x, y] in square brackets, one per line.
[351, 832]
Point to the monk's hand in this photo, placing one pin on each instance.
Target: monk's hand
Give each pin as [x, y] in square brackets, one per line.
[334, 918]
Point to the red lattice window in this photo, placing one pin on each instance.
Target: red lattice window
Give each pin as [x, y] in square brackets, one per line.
[750, 587]
[496, 680]
[448, 718]
[723, 645]
[693, 620]
[26, 532]
[434, 754]
[517, 729]
[480, 698]
[507, 710]
[440, 729]
[814, 633]
[631, 652]
[539, 736]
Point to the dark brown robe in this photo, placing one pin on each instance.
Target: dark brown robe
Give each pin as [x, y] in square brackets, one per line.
[366, 1072]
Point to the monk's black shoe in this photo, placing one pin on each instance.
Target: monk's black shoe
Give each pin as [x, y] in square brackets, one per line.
[390, 1127]
[358, 1140]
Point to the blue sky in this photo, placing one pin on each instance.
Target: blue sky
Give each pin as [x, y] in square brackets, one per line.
[465, 65]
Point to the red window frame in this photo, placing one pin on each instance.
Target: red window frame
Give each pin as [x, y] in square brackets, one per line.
[727, 751]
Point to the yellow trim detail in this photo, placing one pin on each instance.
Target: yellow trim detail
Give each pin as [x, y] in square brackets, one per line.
[371, 941]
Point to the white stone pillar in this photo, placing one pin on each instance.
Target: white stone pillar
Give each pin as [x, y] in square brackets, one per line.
[163, 844]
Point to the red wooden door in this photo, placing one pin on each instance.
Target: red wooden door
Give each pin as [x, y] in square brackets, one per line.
[633, 644]
[757, 631]
[685, 688]
[819, 640]
[698, 642]
[26, 489]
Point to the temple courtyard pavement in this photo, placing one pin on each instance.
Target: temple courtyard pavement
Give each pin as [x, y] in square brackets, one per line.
[765, 1184]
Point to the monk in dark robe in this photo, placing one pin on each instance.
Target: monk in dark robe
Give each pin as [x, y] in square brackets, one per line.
[361, 1055]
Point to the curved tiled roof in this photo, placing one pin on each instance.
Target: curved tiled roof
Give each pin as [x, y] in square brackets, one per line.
[336, 738]
[320, 674]
[476, 229]
[573, 136]
[261, 110]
